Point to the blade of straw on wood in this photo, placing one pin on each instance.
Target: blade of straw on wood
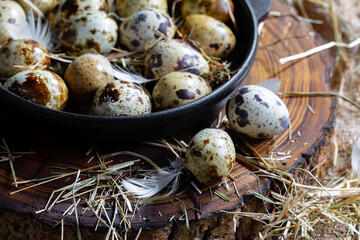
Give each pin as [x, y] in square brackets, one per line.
[53, 179]
[148, 160]
[75, 207]
[319, 49]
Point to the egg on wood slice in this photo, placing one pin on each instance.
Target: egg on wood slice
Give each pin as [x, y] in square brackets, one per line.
[39, 86]
[178, 88]
[216, 39]
[66, 10]
[174, 55]
[10, 14]
[119, 98]
[85, 75]
[219, 9]
[126, 8]
[210, 155]
[145, 27]
[89, 32]
[257, 112]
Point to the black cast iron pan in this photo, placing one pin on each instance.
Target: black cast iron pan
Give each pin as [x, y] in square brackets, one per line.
[248, 14]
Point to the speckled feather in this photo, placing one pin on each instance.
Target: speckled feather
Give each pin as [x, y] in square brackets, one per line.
[34, 30]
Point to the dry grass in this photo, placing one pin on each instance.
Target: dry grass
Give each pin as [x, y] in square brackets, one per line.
[298, 210]
[329, 209]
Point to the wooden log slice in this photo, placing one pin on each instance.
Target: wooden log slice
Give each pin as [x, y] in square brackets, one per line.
[280, 37]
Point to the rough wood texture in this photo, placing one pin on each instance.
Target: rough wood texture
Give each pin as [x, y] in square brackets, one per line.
[281, 36]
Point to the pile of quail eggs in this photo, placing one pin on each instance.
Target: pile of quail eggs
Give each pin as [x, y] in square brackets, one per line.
[92, 35]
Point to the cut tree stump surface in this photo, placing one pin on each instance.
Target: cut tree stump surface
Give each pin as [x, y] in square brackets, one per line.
[281, 36]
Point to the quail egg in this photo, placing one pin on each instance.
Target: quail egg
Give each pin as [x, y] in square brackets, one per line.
[217, 39]
[19, 55]
[257, 112]
[210, 155]
[85, 75]
[89, 32]
[144, 27]
[66, 10]
[174, 55]
[219, 9]
[120, 98]
[39, 86]
[178, 88]
[43, 5]
[10, 14]
[126, 8]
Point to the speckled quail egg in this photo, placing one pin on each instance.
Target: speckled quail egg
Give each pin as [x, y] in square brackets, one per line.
[257, 112]
[39, 86]
[19, 55]
[210, 155]
[85, 75]
[219, 9]
[217, 39]
[178, 88]
[126, 8]
[174, 55]
[120, 98]
[43, 5]
[10, 14]
[144, 27]
[66, 10]
[89, 32]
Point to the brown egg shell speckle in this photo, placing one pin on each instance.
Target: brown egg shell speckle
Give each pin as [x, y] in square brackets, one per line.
[89, 32]
[144, 27]
[174, 55]
[10, 13]
[39, 86]
[120, 98]
[257, 112]
[217, 39]
[210, 155]
[178, 88]
[66, 10]
[126, 8]
[44, 6]
[85, 75]
[218, 9]
[20, 55]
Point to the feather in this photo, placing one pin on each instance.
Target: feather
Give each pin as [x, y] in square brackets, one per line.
[122, 75]
[36, 31]
[155, 182]
[355, 157]
[273, 84]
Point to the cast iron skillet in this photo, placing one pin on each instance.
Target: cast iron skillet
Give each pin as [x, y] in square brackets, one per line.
[132, 128]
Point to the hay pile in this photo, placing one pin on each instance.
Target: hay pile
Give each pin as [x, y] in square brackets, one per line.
[325, 211]
[329, 207]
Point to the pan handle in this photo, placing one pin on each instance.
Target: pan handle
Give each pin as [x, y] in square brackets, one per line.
[261, 8]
